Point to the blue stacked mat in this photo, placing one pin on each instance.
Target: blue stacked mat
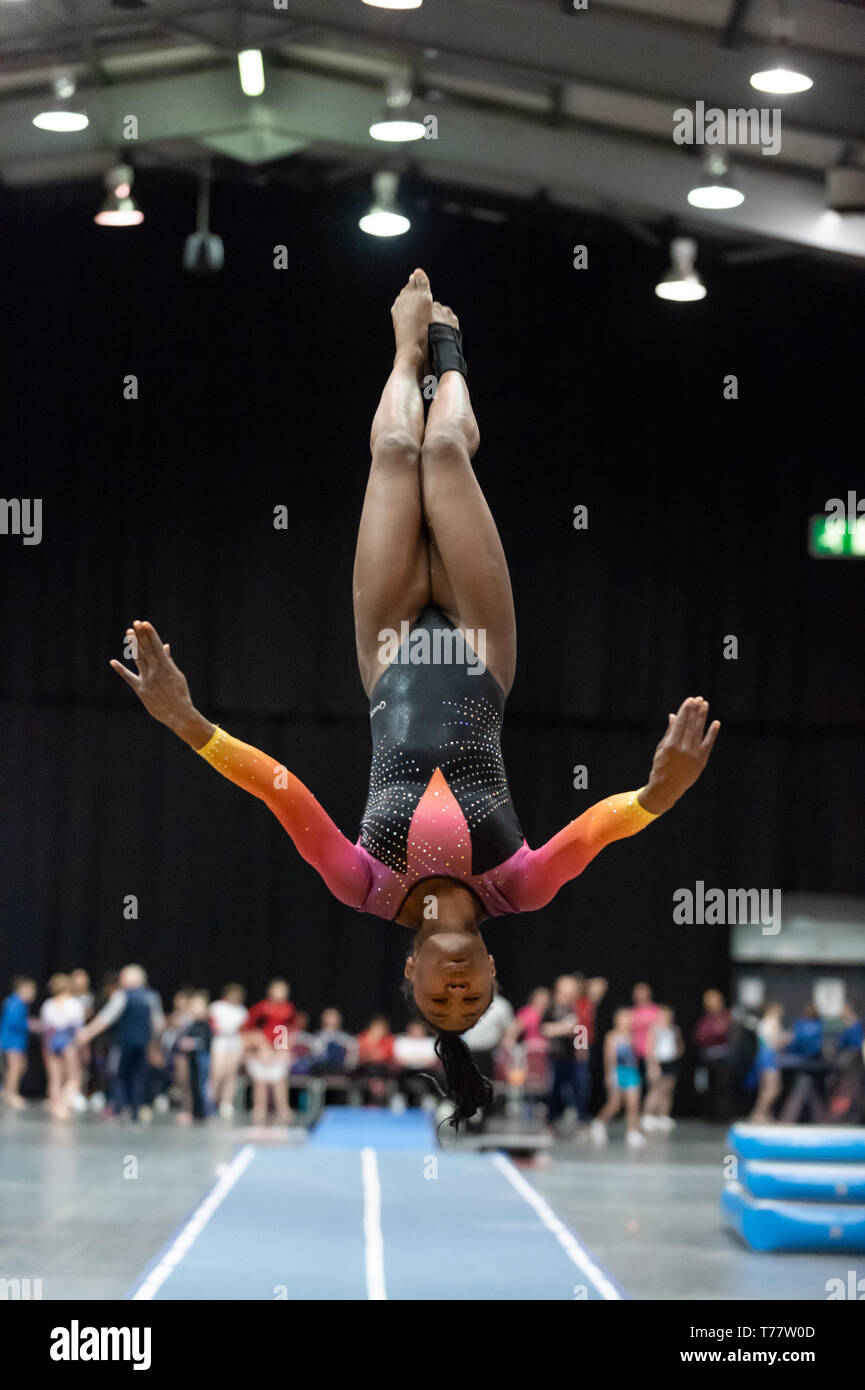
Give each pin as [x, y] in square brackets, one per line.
[800, 1187]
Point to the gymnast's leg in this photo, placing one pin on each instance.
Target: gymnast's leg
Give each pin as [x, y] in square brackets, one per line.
[391, 569]
[468, 570]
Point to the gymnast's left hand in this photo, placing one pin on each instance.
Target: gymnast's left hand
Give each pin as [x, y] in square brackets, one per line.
[680, 757]
[160, 684]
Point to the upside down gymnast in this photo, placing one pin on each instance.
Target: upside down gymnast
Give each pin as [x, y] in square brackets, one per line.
[440, 847]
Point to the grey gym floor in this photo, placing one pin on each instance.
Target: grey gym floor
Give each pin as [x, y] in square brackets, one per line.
[86, 1206]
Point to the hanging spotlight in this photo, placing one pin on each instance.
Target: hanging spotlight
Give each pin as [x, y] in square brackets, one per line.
[395, 4]
[250, 65]
[383, 218]
[401, 118]
[681, 281]
[781, 81]
[63, 116]
[783, 78]
[203, 253]
[119, 208]
[716, 189]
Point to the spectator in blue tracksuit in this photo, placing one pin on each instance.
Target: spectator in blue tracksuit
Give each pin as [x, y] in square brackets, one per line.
[807, 1040]
[14, 1037]
[135, 1013]
[852, 1034]
[804, 1052]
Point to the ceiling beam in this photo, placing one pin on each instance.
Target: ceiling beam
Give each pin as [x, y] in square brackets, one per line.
[574, 166]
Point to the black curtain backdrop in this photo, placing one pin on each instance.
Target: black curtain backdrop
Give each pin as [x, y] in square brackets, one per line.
[256, 390]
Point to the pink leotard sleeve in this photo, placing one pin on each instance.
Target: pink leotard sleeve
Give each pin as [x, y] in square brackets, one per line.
[342, 865]
[538, 874]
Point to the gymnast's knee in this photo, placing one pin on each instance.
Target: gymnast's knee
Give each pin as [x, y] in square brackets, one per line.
[445, 444]
[395, 446]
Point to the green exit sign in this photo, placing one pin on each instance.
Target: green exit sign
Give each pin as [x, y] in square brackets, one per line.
[836, 536]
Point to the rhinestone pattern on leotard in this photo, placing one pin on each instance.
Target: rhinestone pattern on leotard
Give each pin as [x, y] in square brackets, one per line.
[428, 718]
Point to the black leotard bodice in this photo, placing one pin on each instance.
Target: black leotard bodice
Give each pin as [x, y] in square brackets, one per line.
[438, 713]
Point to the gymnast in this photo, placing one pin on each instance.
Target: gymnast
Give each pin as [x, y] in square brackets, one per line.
[440, 847]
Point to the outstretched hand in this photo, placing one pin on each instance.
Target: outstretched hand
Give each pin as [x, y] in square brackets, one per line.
[680, 757]
[160, 684]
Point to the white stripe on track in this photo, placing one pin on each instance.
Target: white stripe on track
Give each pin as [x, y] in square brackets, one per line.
[374, 1240]
[567, 1240]
[183, 1243]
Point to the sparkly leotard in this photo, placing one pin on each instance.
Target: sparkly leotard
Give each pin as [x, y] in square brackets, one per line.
[439, 804]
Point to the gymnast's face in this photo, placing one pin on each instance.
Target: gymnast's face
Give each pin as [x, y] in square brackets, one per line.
[451, 974]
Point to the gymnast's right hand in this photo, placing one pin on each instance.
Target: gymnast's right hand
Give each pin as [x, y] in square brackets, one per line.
[160, 684]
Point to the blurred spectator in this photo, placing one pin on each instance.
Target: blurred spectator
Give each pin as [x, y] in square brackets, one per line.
[571, 1076]
[415, 1056]
[15, 1028]
[268, 1028]
[193, 1043]
[301, 1046]
[271, 1018]
[375, 1056]
[485, 1036]
[662, 1070]
[712, 1039]
[644, 1015]
[79, 985]
[771, 1038]
[61, 1018]
[135, 1013]
[227, 1016]
[526, 1025]
[807, 1039]
[847, 1099]
[852, 1035]
[335, 1050]
[623, 1080]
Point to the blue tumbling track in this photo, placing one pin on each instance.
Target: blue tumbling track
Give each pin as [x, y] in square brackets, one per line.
[371, 1208]
[345, 1128]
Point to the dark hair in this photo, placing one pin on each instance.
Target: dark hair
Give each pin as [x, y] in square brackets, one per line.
[465, 1085]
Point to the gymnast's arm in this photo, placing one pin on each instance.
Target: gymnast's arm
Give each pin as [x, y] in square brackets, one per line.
[679, 759]
[162, 689]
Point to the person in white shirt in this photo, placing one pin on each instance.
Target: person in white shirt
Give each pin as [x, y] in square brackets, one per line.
[227, 1017]
[483, 1041]
[61, 1018]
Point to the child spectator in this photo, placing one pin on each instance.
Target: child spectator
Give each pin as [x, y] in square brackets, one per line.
[227, 1016]
[662, 1070]
[61, 1018]
[624, 1083]
[15, 1027]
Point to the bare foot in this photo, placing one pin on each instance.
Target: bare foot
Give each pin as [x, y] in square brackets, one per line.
[410, 312]
[15, 1102]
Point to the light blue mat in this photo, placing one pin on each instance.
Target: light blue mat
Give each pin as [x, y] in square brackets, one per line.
[795, 1181]
[802, 1226]
[811, 1143]
[348, 1127]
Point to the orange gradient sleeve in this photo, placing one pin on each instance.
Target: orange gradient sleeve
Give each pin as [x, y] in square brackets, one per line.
[540, 875]
[340, 863]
